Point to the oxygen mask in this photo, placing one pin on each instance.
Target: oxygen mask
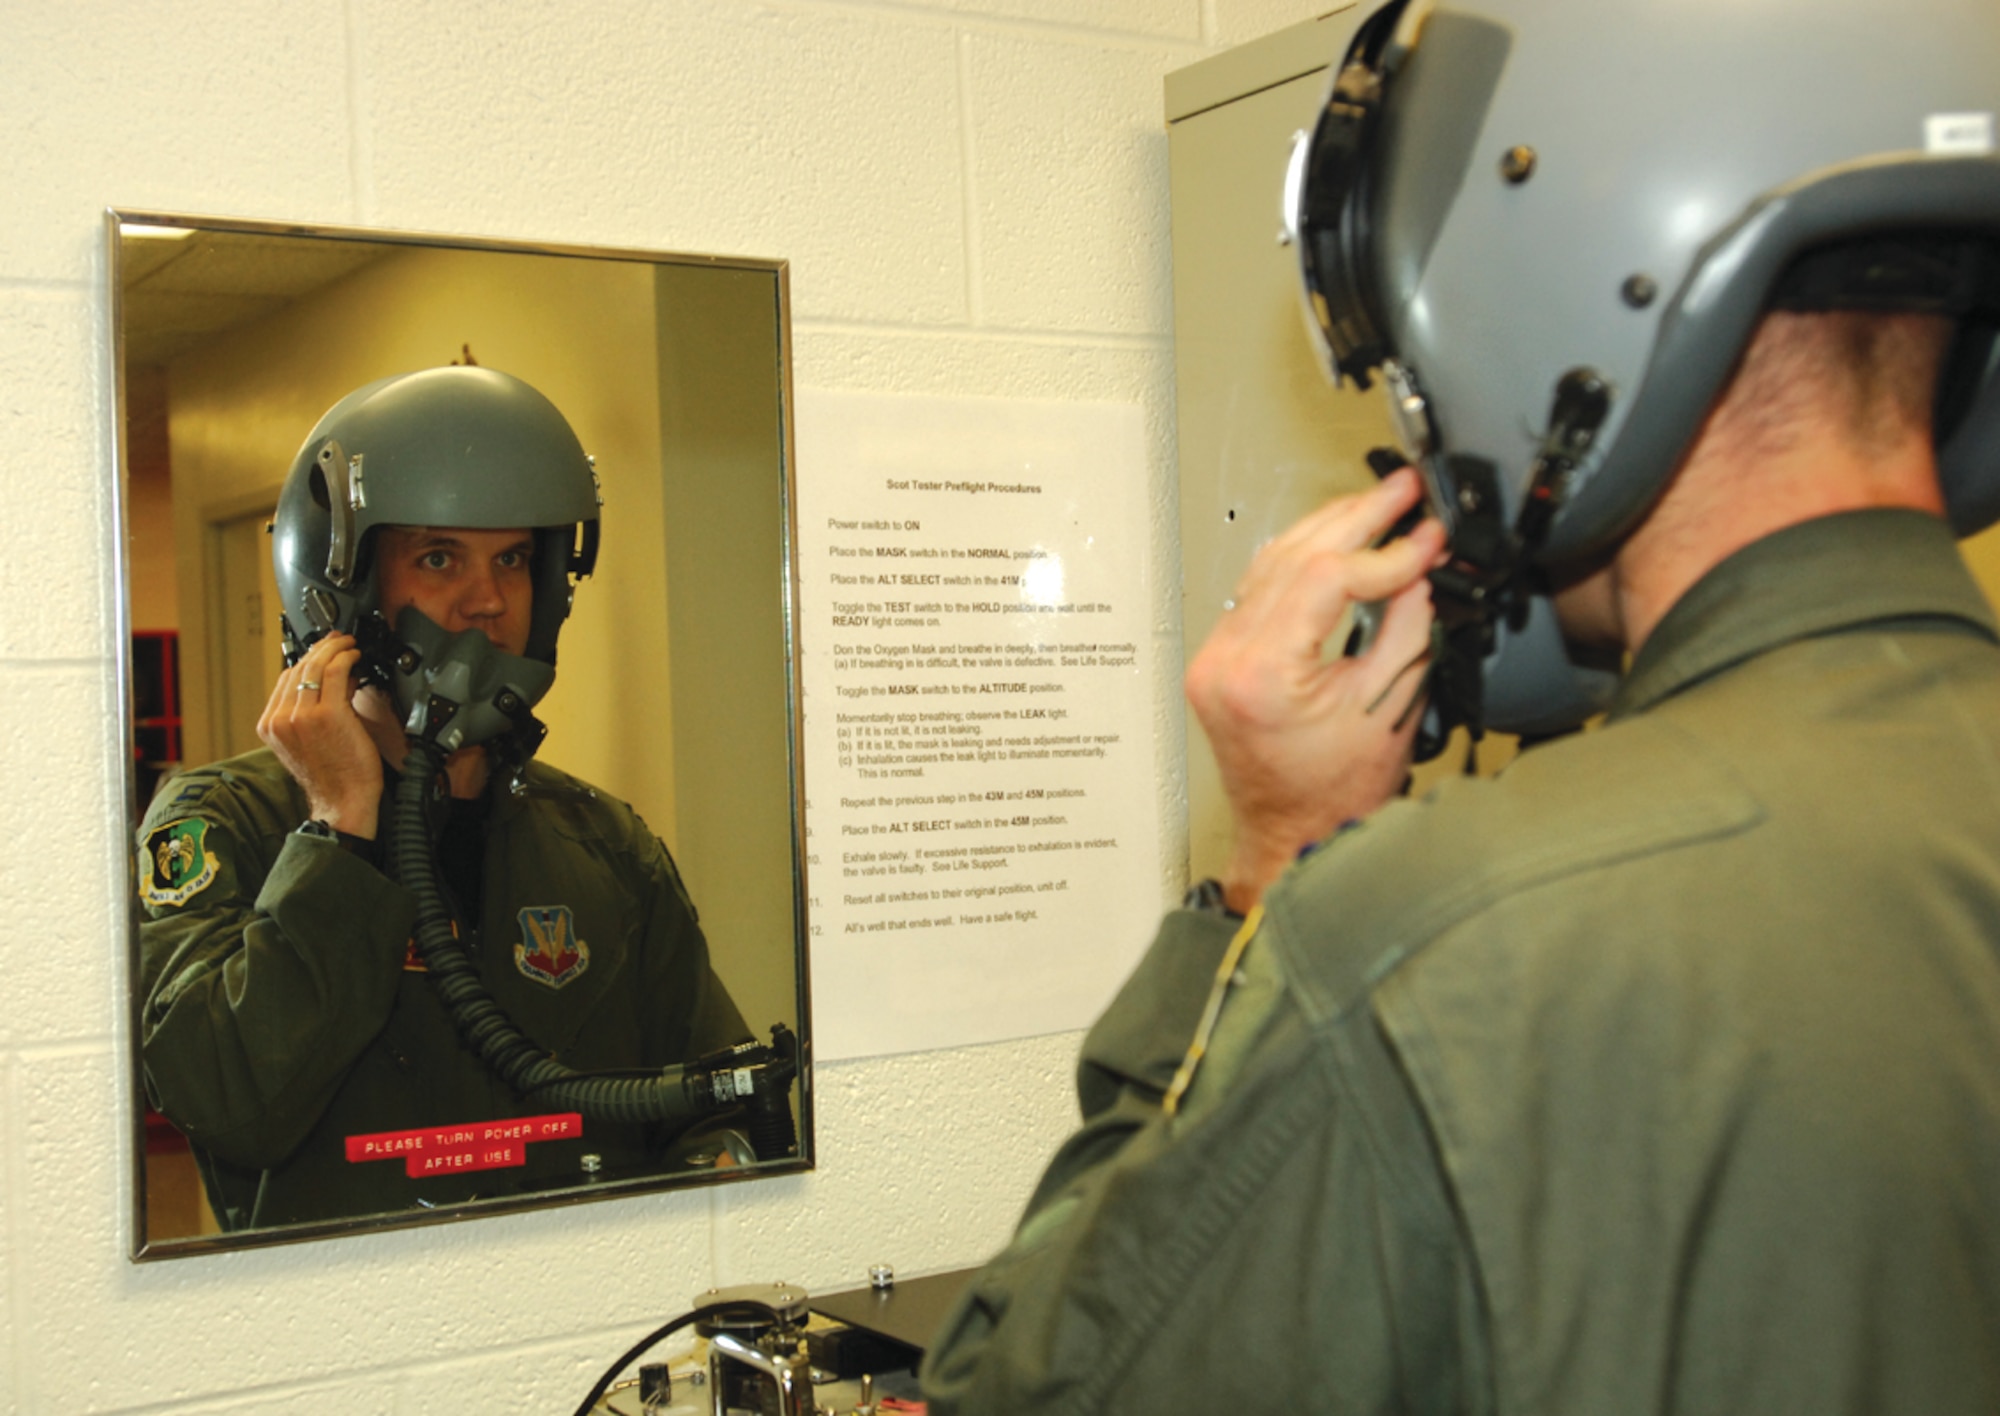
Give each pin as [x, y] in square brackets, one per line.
[460, 690]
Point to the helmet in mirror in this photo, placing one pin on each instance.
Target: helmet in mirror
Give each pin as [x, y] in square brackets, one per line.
[1551, 226]
[461, 447]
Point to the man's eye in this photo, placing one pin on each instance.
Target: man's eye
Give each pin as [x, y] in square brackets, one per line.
[435, 560]
[512, 560]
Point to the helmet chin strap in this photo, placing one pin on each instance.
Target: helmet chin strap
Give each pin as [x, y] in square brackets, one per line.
[1491, 576]
[461, 690]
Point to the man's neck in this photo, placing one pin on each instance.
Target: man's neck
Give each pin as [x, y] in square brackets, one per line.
[1826, 413]
[1717, 505]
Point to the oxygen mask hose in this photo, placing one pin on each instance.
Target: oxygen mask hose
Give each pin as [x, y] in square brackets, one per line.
[769, 1125]
[481, 1022]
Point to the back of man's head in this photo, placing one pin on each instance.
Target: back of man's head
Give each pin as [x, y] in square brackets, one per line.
[1866, 380]
[1553, 226]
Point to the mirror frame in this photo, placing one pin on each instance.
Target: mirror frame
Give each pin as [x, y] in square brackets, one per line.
[144, 1247]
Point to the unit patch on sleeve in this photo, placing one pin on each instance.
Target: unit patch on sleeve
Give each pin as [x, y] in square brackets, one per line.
[549, 951]
[175, 865]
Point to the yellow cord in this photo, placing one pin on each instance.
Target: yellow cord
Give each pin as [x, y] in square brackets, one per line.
[1212, 1013]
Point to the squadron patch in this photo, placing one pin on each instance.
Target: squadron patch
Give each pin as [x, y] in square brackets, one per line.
[549, 951]
[174, 864]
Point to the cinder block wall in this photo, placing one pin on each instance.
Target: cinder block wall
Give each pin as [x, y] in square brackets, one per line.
[973, 195]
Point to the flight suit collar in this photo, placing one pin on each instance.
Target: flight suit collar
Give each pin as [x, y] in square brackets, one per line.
[1818, 577]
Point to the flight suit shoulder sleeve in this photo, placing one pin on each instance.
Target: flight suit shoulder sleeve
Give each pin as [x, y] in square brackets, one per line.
[1139, 1041]
[712, 1019]
[1133, 1051]
[587, 814]
[1254, 1218]
[267, 960]
[705, 1018]
[1417, 869]
[662, 863]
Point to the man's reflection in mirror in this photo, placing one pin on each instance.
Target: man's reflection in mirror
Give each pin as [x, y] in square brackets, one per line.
[427, 543]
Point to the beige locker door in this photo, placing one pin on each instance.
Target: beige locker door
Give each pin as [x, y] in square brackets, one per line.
[243, 631]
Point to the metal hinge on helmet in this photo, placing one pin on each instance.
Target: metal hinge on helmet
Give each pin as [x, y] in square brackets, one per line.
[346, 493]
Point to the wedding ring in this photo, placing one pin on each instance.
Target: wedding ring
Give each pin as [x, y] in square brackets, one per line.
[305, 684]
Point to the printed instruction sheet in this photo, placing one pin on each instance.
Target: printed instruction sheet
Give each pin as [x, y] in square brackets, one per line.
[976, 663]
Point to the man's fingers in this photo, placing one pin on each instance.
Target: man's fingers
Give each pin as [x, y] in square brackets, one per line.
[1300, 586]
[1349, 523]
[337, 677]
[1343, 524]
[1392, 671]
[322, 688]
[278, 708]
[1385, 570]
[1303, 742]
[311, 724]
[320, 677]
[1320, 584]
[1301, 583]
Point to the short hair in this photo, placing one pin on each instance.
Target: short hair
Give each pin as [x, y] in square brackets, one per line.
[1868, 376]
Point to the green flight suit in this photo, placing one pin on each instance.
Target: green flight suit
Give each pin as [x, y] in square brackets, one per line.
[282, 1011]
[1660, 1074]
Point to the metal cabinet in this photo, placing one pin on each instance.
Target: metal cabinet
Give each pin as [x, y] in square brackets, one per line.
[1263, 437]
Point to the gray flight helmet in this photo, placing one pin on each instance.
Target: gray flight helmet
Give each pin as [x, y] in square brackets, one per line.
[459, 446]
[1500, 195]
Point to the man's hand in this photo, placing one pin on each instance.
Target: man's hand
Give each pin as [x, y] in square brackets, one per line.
[1306, 744]
[311, 725]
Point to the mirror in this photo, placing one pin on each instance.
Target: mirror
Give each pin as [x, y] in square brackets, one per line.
[263, 1054]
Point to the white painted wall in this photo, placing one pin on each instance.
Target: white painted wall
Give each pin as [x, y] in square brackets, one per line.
[973, 196]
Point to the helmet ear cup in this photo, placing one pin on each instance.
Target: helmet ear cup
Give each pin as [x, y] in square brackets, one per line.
[552, 560]
[312, 605]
